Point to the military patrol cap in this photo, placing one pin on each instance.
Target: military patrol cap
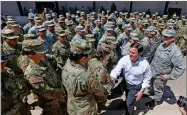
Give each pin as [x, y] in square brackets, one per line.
[116, 12]
[77, 11]
[41, 28]
[79, 28]
[87, 24]
[60, 20]
[37, 19]
[154, 21]
[10, 22]
[169, 32]
[164, 16]
[82, 13]
[104, 47]
[73, 16]
[29, 36]
[110, 17]
[90, 37]
[98, 22]
[50, 23]
[81, 19]
[153, 15]
[79, 46]
[131, 14]
[108, 28]
[8, 34]
[92, 18]
[134, 36]
[30, 17]
[140, 14]
[158, 17]
[111, 39]
[132, 19]
[47, 15]
[61, 16]
[128, 27]
[150, 30]
[145, 22]
[156, 13]
[108, 11]
[34, 45]
[54, 14]
[69, 23]
[60, 32]
[93, 12]
[161, 25]
[67, 14]
[10, 18]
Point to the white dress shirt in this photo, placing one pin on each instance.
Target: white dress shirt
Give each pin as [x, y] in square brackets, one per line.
[134, 73]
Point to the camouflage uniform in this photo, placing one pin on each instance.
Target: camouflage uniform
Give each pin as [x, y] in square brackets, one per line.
[28, 25]
[11, 98]
[118, 30]
[167, 61]
[148, 45]
[44, 81]
[91, 40]
[15, 51]
[82, 87]
[70, 33]
[181, 39]
[60, 52]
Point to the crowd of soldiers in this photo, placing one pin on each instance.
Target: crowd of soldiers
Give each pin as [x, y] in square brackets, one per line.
[65, 62]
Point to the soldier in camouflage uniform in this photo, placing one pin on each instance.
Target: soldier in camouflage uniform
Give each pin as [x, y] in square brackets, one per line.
[148, 44]
[139, 30]
[118, 30]
[16, 29]
[91, 40]
[60, 50]
[29, 25]
[80, 32]
[11, 100]
[181, 40]
[87, 28]
[60, 25]
[11, 46]
[134, 38]
[98, 32]
[167, 64]
[82, 87]
[51, 32]
[70, 31]
[38, 22]
[43, 80]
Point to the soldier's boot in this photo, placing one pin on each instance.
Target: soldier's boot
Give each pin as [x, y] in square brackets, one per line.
[153, 103]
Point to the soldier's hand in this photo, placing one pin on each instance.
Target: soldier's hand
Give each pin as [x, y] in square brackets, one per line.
[182, 110]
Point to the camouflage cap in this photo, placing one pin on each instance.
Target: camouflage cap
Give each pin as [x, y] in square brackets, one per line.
[169, 32]
[48, 15]
[79, 46]
[15, 25]
[41, 28]
[154, 21]
[104, 47]
[77, 11]
[8, 34]
[111, 39]
[161, 25]
[10, 18]
[29, 36]
[81, 19]
[110, 17]
[67, 14]
[69, 23]
[150, 30]
[134, 36]
[127, 26]
[60, 32]
[140, 14]
[60, 20]
[90, 37]
[34, 45]
[50, 23]
[30, 17]
[87, 24]
[54, 14]
[80, 28]
[82, 13]
[37, 19]
[184, 20]
[61, 16]
[98, 22]
[10, 22]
